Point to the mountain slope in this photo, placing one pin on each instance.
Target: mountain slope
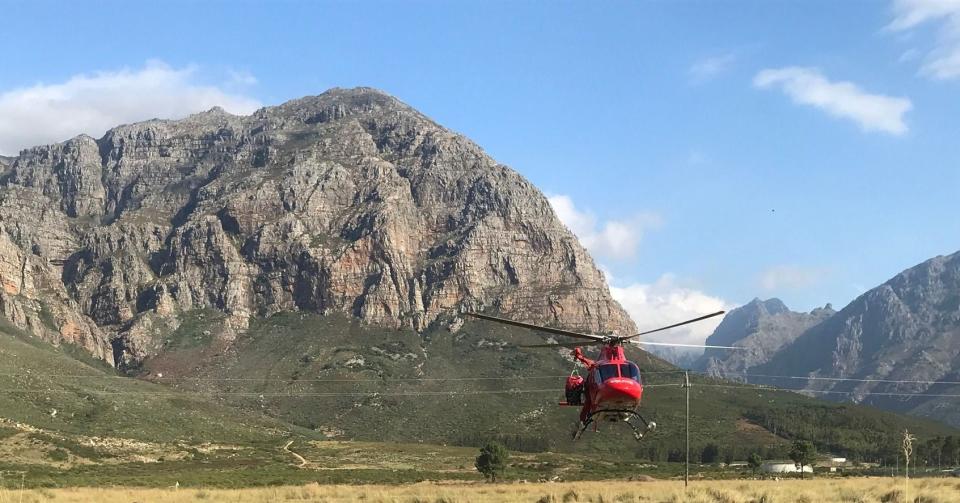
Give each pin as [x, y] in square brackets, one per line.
[348, 380]
[69, 392]
[348, 202]
[761, 327]
[905, 329]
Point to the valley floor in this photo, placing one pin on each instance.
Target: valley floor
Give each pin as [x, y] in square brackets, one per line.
[865, 490]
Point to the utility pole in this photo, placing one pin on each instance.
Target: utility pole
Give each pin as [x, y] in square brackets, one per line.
[686, 458]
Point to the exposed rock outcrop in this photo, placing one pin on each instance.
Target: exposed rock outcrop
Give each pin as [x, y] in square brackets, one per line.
[761, 328]
[349, 201]
[907, 329]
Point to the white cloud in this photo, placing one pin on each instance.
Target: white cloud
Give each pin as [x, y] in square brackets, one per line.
[807, 86]
[664, 303]
[943, 60]
[242, 78]
[908, 55]
[706, 69]
[617, 239]
[93, 103]
[790, 277]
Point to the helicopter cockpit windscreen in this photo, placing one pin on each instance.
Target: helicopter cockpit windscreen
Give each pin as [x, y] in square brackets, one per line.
[608, 371]
[630, 370]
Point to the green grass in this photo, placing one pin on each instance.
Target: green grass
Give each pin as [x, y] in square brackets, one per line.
[196, 329]
[336, 463]
[48, 388]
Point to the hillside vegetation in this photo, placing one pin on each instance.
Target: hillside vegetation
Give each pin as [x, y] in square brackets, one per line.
[62, 389]
[397, 397]
[348, 380]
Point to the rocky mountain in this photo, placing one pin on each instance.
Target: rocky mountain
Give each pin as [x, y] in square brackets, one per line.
[348, 202]
[308, 262]
[762, 328]
[907, 329]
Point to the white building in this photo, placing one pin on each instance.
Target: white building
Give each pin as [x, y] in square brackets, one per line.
[783, 467]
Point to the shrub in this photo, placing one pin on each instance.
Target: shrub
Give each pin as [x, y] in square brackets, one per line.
[492, 460]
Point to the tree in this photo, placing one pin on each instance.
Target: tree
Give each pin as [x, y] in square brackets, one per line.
[754, 462]
[492, 460]
[728, 457]
[951, 451]
[803, 453]
[710, 453]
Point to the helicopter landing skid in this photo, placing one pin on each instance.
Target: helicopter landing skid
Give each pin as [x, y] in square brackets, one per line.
[630, 414]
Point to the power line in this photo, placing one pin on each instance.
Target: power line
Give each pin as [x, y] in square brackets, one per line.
[255, 394]
[387, 380]
[851, 379]
[290, 380]
[867, 393]
[292, 395]
[274, 379]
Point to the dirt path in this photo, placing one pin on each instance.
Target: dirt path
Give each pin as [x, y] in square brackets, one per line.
[301, 459]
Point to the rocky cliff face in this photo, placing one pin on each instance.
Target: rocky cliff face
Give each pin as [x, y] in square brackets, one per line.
[761, 327]
[348, 202]
[907, 329]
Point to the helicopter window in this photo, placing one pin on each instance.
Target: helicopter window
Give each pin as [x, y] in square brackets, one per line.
[608, 371]
[630, 370]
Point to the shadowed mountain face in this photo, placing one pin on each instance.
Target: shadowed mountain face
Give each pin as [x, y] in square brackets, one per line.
[907, 329]
[348, 202]
[761, 327]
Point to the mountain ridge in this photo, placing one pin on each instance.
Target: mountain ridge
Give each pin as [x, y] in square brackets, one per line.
[905, 330]
[349, 201]
[761, 328]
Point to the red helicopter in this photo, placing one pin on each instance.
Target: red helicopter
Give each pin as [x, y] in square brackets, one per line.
[613, 387]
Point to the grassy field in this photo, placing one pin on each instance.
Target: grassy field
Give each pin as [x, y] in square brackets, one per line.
[862, 490]
[31, 458]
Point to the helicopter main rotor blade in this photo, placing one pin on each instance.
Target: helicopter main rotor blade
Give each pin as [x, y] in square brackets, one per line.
[531, 326]
[562, 344]
[718, 313]
[678, 345]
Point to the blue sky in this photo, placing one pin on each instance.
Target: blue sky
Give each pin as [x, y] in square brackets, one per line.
[706, 152]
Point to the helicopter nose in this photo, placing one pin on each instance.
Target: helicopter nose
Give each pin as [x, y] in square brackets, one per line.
[623, 390]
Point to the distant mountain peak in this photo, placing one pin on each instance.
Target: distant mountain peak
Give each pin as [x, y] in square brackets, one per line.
[761, 327]
[772, 305]
[907, 328]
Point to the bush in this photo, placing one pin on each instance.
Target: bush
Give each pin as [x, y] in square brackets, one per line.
[58, 455]
[710, 453]
[492, 460]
